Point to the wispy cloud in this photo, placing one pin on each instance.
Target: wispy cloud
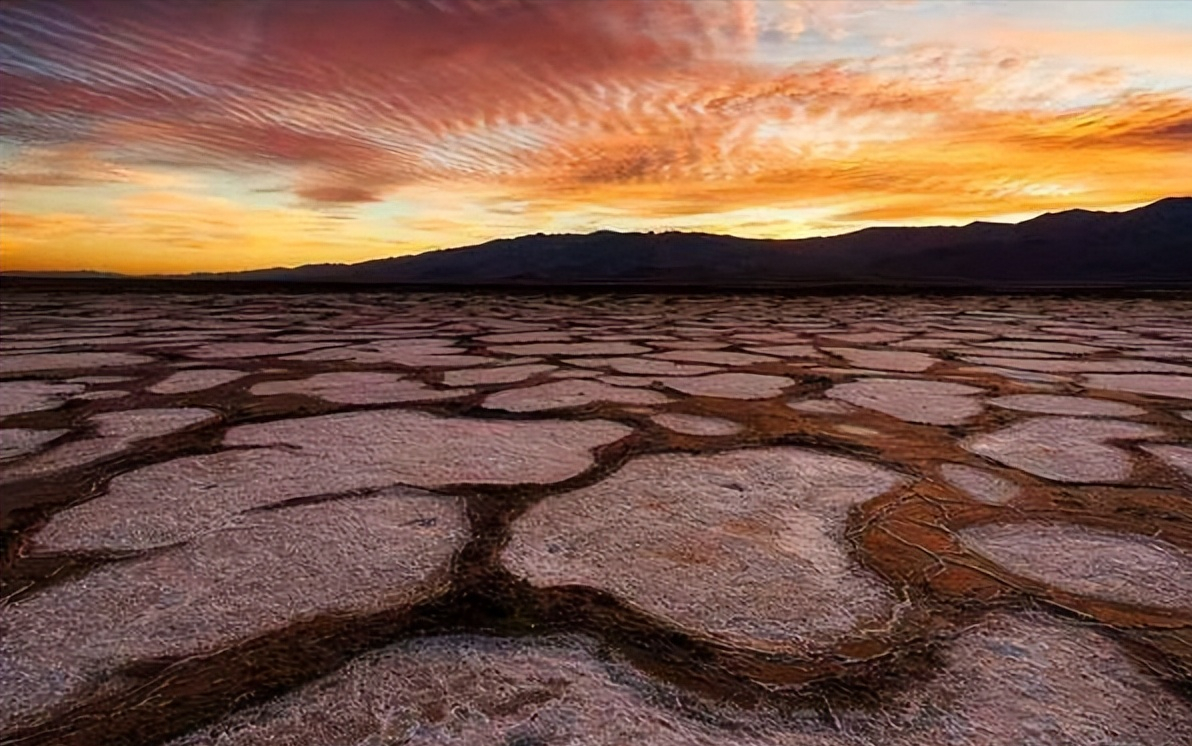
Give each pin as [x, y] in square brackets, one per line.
[629, 114]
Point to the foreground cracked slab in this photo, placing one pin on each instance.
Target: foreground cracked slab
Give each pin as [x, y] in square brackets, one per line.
[786, 351]
[980, 484]
[569, 393]
[732, 385]
[31, 396]
[1178, 456]
[489, 376]
[255, 573]
[690, 424]
[358, 388]
[756, 543]
[17, 442]
[218, 350]
[713, 357]
[897, 360]
[1065, 449]
[573, 348]
[1120, 567]
[746, 545]
[1061, 348]
[114, 432]
[406, 353]
[1091, 367]
[469, 690]
[1073, 406]
[821, 406]
[1009, 680]
[322, 455]
[1154, 384]
[1027, 679]
[52, 361]
[199, 379]
[928, 402]
[631, 366]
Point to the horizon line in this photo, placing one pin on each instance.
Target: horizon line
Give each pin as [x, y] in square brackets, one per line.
[1138, 206]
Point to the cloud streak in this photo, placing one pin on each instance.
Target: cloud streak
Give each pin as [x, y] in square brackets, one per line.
[624, 114]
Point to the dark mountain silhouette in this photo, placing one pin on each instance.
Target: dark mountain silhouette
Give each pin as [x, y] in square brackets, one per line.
[84, 274]
[1148, 247]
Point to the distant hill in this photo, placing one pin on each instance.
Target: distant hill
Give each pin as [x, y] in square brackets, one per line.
[79, 275]
[1148, 247]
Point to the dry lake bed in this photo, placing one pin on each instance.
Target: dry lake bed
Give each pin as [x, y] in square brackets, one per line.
[529, 520]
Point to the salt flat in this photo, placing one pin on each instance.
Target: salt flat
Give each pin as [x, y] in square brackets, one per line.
[539, 519]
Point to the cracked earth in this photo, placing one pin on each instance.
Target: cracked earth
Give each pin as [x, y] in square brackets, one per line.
[448, 519]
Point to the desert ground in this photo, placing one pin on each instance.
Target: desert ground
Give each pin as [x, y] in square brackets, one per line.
[370, 518]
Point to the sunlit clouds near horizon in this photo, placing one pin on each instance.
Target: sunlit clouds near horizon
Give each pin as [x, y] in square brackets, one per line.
[183, 136]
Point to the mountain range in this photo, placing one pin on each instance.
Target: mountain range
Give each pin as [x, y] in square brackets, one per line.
[1147, 247]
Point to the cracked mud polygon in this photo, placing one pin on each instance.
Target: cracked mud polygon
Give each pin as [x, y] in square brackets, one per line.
[376, 518]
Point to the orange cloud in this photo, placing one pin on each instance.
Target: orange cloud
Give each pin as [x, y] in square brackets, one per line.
[584, 113]
[356, 94]
[901, 146]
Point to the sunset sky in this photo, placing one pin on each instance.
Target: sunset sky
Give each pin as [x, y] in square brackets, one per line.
[182, 136]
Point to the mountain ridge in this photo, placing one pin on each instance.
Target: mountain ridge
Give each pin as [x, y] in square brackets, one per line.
[1149, 246]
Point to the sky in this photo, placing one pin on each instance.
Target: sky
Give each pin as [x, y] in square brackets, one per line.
[219, 135]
